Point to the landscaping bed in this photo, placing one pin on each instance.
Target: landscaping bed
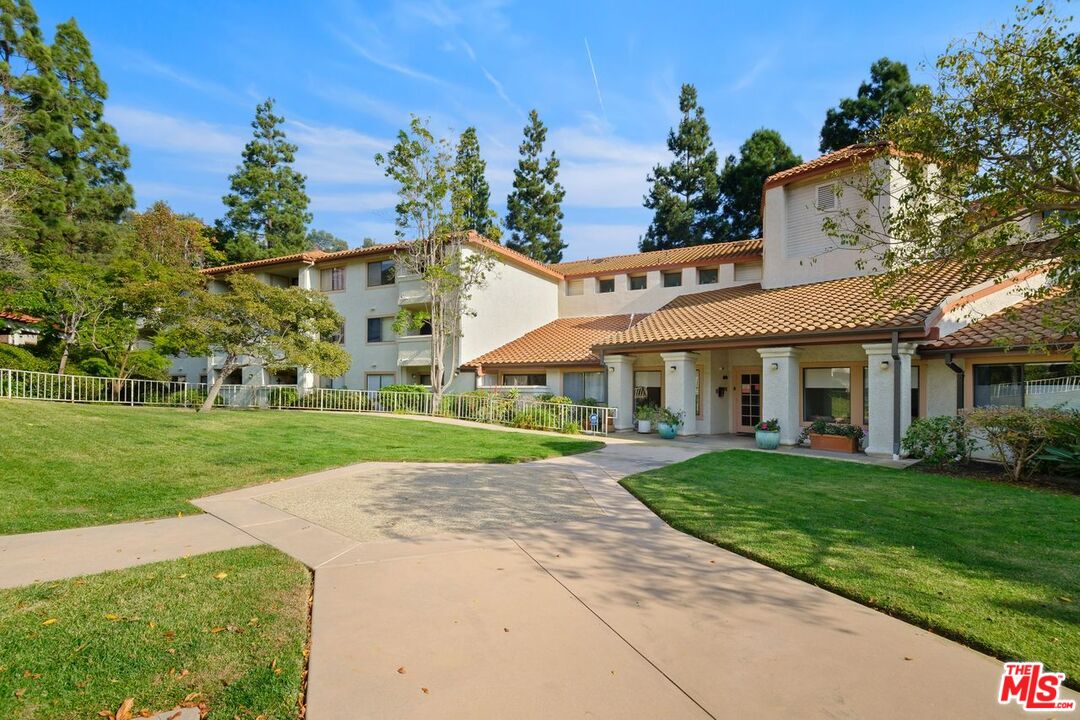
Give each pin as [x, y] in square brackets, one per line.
[226, 631]
[991, 564]
[64, 466]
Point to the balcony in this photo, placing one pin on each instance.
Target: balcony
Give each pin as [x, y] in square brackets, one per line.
[412, 291]
[414, 351]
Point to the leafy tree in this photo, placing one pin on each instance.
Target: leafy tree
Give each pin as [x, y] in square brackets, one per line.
[685, 195]
[256, 323]
[533, 209]
[889, 94]
[67, 294]
[266, 211]
[995, 144]
[326, 241]
[368, 242]
[472, 193]
[429, 212]
[742, 178]
[171, 239]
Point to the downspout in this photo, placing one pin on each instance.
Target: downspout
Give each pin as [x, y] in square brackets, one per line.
[896, 382]
[959, 380]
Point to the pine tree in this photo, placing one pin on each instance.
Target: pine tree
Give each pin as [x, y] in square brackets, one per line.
[266, 211]
[685, 195]
[889, 93]
[471, 191]
[741, 180]
[533, 212]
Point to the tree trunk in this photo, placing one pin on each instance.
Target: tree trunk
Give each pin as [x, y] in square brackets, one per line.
[64, 359]
[215, 388]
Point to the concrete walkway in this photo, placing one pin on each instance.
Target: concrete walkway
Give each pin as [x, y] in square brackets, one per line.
[545, 590]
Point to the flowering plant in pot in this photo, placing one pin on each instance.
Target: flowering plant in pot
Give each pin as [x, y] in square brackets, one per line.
[839, 437]
[644, 416]
[668, 422]
[767, 434]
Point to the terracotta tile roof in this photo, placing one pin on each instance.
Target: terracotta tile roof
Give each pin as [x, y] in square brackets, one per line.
[318, 256]
[676, 257]
[566, 341]
[19, 317]
[1021, 325]
[851, 155]
[834, 307]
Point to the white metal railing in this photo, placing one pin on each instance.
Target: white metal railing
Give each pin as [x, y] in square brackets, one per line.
[1053, 385]
[479, 406]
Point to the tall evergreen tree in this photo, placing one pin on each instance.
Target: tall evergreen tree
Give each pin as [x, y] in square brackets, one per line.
[471, 191]
[685, 196]
[889, 93]
[742, 178]
[266, 211]
[533, 209]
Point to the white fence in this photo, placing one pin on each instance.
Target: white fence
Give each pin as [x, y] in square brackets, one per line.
[480, 406]
[1051, 392]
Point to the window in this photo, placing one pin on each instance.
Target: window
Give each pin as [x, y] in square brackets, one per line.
[673, 279]
[826, 197]
[638, 282]
[1028, 385]
[581, 385]
[747, 272]
[380, 329]
[423, 379]
[332, 279]
[916, 406]
[377, 381]
[605, 285]
[380, 273]
[179, 379]
[708, 276]
[827, 394]
[575, 287]
[523, 379]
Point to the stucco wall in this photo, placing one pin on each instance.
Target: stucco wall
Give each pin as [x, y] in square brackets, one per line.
[358, 302]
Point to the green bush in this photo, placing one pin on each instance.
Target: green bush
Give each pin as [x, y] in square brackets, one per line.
[1018, 437]
[1062, 454]
[404, 398]
[824, 427]
[190, 398]
[19, 358]
[535, 418]
[572, 428]
[939, 440]
[554, 399]
[282, 397]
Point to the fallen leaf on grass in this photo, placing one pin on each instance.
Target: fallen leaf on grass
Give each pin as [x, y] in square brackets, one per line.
[216, 630]
[124, 712]
[20, 692]
[111, 616]
[50, 621]
[222, 575]
[1064, 599]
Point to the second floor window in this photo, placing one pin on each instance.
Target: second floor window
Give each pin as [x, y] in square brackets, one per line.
[332, 279]
[708, 276]
[380, 273]
[380, 329]
[673, 279]
[605, 285]
[638, 282]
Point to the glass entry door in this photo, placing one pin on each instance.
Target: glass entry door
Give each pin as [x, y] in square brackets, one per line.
[748, 395]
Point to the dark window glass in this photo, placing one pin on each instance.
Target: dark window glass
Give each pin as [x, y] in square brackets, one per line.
[638, 282]
[673, 279]
[606, 285]
[525, 379]
[708, 276]
[380, 273]
[374, 330]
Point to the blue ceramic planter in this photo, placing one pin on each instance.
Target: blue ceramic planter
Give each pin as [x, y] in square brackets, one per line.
[666, 431]
[767, 439]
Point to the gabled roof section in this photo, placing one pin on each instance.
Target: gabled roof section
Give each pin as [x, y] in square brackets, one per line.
[848, 306]
[658, 259]
[1029, 322]
[848, 157]
[318, 257]
[566, 341]
[19, 317]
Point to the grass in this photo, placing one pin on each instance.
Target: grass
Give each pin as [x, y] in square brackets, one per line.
[64, 466]
[993, 565]
[158, 633]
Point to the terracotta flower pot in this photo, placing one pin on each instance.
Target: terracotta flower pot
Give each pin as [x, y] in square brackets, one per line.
[835, 443]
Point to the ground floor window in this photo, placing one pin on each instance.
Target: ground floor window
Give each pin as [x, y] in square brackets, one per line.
[579, 386]
[827, 394]
[646, 387]
[236, 377]
[377, 381]
[1027, 385]
[524, 379]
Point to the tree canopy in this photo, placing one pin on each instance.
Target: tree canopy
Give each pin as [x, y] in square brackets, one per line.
[742, 178]
[266, 210]
[685, 194]
[326, 241]
[888, 94]
[471, 192]
[534, 208]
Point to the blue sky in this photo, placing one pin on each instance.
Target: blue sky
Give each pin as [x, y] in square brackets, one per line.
[184, 79]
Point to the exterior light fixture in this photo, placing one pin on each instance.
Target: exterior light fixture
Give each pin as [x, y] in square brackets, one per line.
[774, 366]
[672, 368]
[884, 365]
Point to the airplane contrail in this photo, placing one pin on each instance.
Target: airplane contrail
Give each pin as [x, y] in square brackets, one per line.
[596, 80]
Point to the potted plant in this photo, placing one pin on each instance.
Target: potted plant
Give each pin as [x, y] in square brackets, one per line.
[837, 437]
[767, 434]
[644, 416]
[668, 422]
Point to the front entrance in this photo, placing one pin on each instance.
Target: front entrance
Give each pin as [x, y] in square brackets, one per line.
[747, 399]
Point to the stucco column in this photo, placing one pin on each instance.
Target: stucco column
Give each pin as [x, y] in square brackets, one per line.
[780, 390]
[880, 369]
[306, 280]
[620, 388]
[679, 377]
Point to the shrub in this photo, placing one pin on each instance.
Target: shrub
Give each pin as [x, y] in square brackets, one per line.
[282, 397]
[591, 402]
[404, 398]
[554, 399]
[670, 417]
[1062, 455]
[572, 428]
[646, 412]
[19, 358]
[772, 425]
[824, 427]
[1018, 436]
[535, 418]
[191, 398]
[939, 440]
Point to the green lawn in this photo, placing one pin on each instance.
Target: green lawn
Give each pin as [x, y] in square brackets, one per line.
[230, 626]
[994, 565]
[65, 466]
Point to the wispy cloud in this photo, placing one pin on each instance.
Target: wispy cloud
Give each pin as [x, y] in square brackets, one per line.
[596, 80]
[433, 12]
[357, 100]
[169, 133]
[140, 62]
[749, 77]
[501, 91]
[388, 63]
[331, 154]
[353, 201]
